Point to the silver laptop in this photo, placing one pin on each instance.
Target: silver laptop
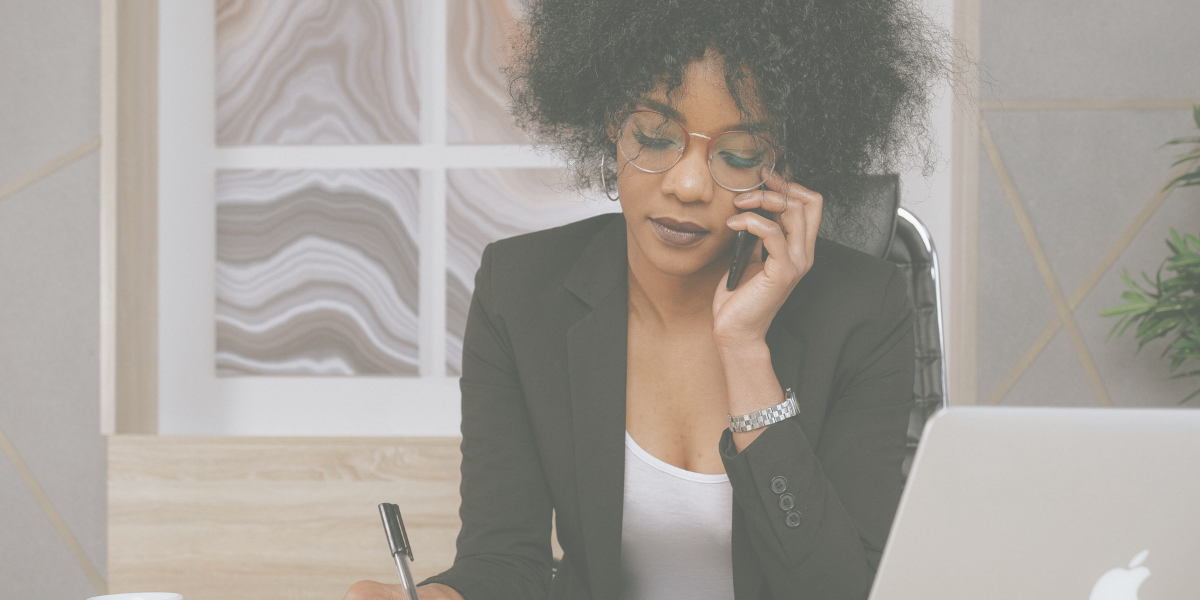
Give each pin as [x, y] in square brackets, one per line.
[1053, 503]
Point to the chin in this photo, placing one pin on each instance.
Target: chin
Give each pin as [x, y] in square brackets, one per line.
[677, 268]
[682, 262]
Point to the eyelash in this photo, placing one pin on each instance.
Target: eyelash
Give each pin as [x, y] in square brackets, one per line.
[650, 142]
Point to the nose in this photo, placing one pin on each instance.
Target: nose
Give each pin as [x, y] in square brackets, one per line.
[689, 180]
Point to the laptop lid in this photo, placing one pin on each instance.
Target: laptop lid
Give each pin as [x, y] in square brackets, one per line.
[1053, 503]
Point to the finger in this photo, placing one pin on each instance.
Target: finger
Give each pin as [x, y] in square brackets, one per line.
[801, 224]
[791, 190]
[781, 195]
[776, 204]
[770, 232]
[765, 199]
[792, 221]
[812, 204]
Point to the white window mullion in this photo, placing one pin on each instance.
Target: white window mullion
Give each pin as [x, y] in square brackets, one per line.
[432, 317]
[385, 156]
[432, 329]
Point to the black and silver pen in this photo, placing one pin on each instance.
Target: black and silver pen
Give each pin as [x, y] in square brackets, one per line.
[393, 527]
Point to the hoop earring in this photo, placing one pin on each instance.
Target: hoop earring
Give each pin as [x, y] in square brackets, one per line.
[604, 182]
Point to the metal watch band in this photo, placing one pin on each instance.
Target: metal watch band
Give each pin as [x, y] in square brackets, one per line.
[766, 416]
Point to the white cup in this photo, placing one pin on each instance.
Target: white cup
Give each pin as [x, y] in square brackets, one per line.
[140, 596]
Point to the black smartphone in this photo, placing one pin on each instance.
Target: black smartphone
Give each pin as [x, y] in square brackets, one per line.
[743, 247]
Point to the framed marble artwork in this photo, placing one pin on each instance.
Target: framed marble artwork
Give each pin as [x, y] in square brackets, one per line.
[477, 95]
[316, 272]
[317, 72]
[330, 172]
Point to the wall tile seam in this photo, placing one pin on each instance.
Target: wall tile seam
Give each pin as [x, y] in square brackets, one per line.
[50, 168]
[52, 514]
[1065, 313]
[1093, 279]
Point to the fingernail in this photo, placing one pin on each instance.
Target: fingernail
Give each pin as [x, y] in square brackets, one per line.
[729, 222]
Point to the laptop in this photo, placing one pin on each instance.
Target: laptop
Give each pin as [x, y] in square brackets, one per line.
[1053, 503]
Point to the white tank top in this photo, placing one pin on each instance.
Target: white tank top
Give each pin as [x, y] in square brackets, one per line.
[675, 531]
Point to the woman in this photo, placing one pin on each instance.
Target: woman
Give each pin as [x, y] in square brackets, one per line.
[606, 364]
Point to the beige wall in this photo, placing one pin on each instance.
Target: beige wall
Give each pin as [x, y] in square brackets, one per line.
[52, 464]
[1078, 97]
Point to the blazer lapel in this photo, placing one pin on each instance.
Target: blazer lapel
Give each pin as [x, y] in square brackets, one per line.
[596, 361]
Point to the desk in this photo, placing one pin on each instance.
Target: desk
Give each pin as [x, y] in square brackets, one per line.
[265, 518]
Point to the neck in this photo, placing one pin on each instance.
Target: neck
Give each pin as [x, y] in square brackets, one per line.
[671, 301]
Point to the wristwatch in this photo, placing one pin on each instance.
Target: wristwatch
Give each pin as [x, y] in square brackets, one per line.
[761, 418]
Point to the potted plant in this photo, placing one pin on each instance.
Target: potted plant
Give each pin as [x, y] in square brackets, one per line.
[1169, 307]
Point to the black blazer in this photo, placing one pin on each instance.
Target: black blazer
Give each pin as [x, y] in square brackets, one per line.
[543, 422]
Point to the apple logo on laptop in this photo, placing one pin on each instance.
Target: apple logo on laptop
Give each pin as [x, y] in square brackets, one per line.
[1122, 584]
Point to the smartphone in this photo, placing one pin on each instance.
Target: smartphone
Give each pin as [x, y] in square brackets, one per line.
[743, 247]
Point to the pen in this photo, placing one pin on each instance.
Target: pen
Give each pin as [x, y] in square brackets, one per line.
[393, 527]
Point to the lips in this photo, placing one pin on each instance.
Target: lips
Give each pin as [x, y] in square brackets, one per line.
[678, 233]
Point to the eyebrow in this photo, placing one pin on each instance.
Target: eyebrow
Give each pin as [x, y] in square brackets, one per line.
[662, 108]
[674, 114]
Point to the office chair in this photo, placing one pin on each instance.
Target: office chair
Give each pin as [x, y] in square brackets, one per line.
[896, 235]
[912, 249]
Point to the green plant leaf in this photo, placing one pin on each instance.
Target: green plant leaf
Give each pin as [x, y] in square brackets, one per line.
[1191, 139]
[1185, 180]
[1125, 309]
[1168, 306]
[1184, 159]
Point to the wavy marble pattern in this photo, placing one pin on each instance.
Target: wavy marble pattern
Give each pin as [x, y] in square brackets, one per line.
[317, 71]
[317, 273]
[485, 205]
[476, 92]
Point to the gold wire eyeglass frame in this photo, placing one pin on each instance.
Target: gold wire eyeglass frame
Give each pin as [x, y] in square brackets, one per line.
[777, 151]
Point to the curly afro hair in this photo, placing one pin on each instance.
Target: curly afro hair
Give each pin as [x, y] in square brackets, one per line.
[846, 84]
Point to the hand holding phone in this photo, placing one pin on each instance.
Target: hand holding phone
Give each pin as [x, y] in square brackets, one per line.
[743, 247]
[791, 217]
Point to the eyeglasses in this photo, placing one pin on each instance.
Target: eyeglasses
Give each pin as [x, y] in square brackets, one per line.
[654, 142]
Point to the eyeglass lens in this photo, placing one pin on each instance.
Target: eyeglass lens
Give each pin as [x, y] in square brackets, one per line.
[654, 143]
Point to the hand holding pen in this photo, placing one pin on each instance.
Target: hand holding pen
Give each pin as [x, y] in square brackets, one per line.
[401, 551]
[373, 590]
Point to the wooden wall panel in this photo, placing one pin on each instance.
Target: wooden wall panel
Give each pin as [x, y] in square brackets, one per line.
[223, 518]
[129, 217]
[137, 217]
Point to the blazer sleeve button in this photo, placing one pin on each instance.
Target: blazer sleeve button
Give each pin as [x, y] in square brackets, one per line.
[779, 485]
[793, 519]
[787, 502]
